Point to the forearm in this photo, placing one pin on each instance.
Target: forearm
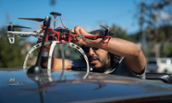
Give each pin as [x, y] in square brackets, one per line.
[116, 46]
[123, 48]
[55, 63]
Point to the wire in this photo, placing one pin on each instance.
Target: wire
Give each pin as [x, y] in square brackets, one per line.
[62, 22]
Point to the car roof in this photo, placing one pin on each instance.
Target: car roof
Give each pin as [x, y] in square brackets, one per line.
[69, 86]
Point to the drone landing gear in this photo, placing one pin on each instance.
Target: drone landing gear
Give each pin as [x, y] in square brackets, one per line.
[50, 56]
[34, 69]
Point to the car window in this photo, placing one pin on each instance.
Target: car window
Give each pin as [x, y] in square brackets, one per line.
[167, 61]
[163, 61]
[152, 62]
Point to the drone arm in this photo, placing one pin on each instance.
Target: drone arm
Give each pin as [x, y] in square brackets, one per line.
[11, 35]
[25, 33]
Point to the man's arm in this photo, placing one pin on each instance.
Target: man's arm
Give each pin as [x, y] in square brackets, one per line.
[56, 63]
[133, 56]
[131, 52]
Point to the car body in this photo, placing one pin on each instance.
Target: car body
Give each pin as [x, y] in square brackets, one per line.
[160, 65]
[164, 65]
[70, 86]
[152, 66]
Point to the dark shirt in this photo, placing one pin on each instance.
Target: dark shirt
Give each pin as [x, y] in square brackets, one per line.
[122, 69]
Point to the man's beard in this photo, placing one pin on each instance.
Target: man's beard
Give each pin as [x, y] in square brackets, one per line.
[104, 65]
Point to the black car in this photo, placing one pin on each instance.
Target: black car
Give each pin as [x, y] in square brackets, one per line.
[70, 86]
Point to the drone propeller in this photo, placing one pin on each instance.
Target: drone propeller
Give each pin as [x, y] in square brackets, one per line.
[15, 26]
[107, 31]
[34, 19]
[41, 19]
[5, 24]
[63, 19]
[10, 28]
[104, 27]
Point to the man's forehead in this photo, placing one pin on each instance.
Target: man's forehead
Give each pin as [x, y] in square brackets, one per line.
[97, 34]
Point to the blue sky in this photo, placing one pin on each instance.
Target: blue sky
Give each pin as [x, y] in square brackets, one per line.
[86, 13]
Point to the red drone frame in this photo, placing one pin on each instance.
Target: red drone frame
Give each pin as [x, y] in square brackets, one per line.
[70, 36]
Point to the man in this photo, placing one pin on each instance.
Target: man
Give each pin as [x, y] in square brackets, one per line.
[106, 60]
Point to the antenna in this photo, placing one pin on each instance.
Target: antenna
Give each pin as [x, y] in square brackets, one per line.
[55, 14]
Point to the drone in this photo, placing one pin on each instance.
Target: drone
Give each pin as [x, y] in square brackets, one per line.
[54, 36]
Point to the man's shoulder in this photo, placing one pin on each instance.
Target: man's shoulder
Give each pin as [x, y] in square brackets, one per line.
[123, 70]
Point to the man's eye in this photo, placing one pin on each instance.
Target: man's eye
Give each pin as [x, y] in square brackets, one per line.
[95, 48]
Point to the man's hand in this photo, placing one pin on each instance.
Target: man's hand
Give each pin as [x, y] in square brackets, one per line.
[80, 31]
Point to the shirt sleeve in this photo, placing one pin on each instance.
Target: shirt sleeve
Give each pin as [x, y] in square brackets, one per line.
[124, 70]
[77, 63]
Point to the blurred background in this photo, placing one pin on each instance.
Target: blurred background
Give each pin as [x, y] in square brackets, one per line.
[144, 22]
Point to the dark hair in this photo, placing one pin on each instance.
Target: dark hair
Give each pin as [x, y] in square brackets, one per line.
[114, 59]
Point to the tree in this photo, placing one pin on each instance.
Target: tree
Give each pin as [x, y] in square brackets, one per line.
[154, 16]
[10, 54]
[119, 32]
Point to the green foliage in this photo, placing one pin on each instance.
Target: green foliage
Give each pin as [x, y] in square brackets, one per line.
[119, 32]
[168, 50]
[154, 19]
[135, 37]
[10, 54]
[70, 53]
[163, 34]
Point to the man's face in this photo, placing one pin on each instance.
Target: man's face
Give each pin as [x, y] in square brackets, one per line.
[98, 59]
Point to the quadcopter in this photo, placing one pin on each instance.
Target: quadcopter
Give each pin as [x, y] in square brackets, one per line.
[54, 36]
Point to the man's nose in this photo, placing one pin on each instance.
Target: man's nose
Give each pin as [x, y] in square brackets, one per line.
[91, 51]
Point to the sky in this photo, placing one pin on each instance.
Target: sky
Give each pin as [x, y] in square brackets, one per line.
[86, 13]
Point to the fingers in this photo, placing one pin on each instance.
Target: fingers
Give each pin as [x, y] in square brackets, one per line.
[79, 30]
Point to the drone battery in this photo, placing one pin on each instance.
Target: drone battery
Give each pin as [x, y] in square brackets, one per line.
[59, 29]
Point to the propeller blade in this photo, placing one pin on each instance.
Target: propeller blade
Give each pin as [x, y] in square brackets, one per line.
[18, 26]
[41, 19]
[34, 19]
[62, 19]
[103, 27]
[5, 24]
